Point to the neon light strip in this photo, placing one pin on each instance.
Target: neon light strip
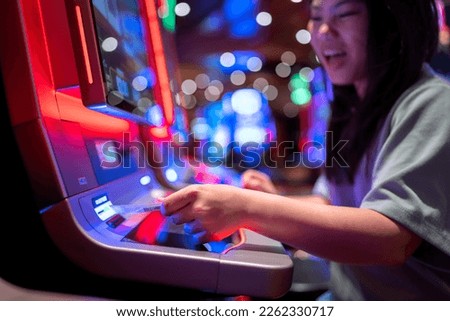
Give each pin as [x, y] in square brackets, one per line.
[84, 45]
[161, 66]
[41, 18]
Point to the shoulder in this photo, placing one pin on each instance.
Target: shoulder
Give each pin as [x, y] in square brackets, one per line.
[429, 97]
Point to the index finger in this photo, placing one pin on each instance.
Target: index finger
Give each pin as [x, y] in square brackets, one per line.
[177, 200]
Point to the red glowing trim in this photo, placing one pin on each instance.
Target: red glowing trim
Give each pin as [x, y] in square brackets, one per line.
[148, 231]
[160, 132]
[84, 45]
[160, 60]
[242, 240]
[75, 111]
[44, 35]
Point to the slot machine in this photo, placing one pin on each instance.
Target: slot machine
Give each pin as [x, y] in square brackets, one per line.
[92, 111]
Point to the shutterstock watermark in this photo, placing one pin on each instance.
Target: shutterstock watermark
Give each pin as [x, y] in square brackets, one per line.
[195, 153]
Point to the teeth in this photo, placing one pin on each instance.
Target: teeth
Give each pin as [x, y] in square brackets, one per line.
[332, 53]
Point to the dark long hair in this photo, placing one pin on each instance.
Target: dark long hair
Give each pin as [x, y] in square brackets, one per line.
[403, 34]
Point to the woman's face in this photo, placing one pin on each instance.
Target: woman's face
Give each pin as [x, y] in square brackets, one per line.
[339, 30]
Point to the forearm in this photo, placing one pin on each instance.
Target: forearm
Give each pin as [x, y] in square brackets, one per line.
[343, 234]
[316, 199]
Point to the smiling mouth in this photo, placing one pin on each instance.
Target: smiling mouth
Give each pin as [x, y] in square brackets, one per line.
[330, 55]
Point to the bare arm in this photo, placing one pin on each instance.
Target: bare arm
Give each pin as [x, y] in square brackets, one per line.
[343, 234]
[316, 199]
[259, 181]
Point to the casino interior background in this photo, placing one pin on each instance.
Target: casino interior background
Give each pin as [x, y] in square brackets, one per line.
[258, 45]
[240, 71]
[227, 45]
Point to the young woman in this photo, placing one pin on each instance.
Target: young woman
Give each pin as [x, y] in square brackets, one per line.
[383, 216]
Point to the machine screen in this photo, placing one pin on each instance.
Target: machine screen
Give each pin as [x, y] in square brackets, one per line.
[124, 54]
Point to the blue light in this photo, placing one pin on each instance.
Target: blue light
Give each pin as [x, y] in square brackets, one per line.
[155, 116]
[132, 44]
[244, 29]
[222, 136]
[246, 101]
[241, 57]
[220, 120]
[200, 128]
[122, 86]
[251, 134]
[212, 23]
[149, 74]
[180, 128]
[235, 9]
[217, 247]
[241, 14]
[132, 24]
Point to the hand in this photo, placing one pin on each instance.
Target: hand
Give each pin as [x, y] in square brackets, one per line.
[210, 212]
[259, 181]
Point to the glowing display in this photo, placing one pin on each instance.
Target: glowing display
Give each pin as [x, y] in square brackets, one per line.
[102, 207]
[129, 78]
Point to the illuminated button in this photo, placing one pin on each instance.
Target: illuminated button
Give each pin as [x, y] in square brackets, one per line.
[115, 220]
